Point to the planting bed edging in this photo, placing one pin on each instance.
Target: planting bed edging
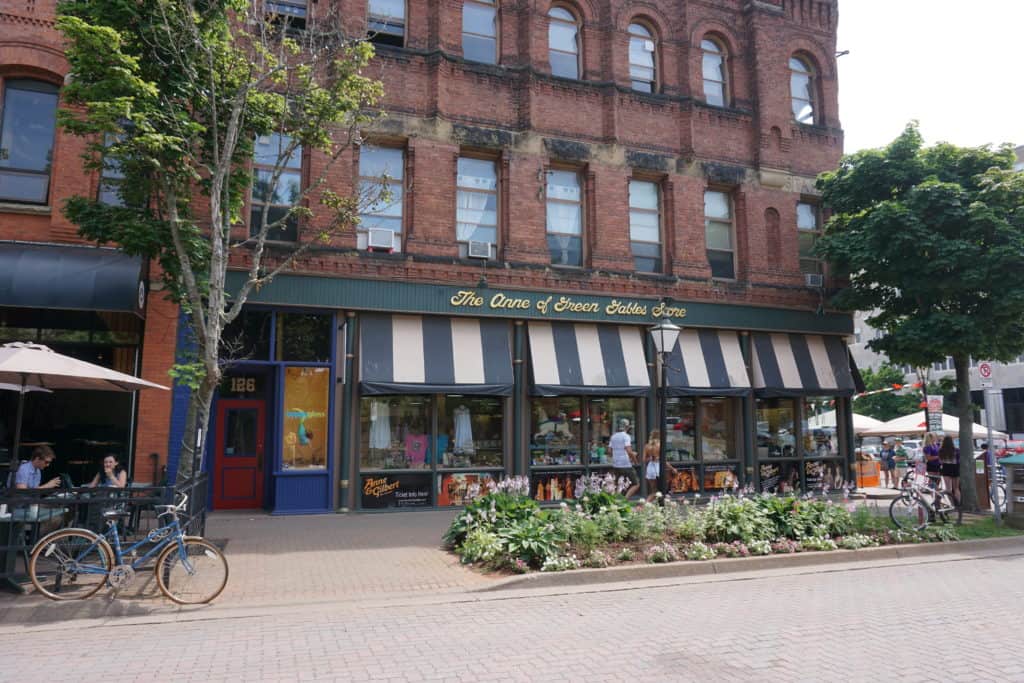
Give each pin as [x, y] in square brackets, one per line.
[682, 568]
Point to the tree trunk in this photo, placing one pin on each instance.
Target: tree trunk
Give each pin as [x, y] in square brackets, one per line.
[968, 494]
[197, 421]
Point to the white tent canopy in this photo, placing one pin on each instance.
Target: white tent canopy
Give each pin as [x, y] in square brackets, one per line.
[915, 424]
[860, 422]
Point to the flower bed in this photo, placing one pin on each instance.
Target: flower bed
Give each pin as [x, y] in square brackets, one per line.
[506, 530]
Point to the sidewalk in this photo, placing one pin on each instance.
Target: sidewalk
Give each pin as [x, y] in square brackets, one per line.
[292, 560]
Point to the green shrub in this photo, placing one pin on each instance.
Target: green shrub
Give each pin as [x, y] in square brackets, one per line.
[663, 552]
[597, 559]
[864, 520]
[560, 563]
[939, 533]
[737, 519]
[603, 501]
[689, 528]
[857, 541]
[626, 555]
[532, 540]
[612, 525]
[779, 512]
[699, 551]
[760, 548]
[480, 545]
[817, 518]
[489, 512]
[818, 543]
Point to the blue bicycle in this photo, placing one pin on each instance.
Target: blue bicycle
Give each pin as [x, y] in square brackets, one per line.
[72, 564]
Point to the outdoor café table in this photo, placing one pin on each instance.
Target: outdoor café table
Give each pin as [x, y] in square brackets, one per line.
[33, 518]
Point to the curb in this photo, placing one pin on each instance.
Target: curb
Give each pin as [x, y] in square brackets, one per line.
[1008, 545]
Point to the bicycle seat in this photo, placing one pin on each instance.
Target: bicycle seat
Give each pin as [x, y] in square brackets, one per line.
[111, 514]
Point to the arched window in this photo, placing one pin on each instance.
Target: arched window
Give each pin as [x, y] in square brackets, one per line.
[480, 31]
[641, 58]
[563, 43]
[801, 89]
[713, 71]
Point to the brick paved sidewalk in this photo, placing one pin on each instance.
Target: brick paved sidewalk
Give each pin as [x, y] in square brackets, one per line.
[292, 560]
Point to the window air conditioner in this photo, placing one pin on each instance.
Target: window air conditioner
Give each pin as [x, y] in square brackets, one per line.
[814, 280]
[380, 239]
[479, 249]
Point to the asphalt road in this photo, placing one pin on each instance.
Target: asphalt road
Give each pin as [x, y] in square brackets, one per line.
[942, 621]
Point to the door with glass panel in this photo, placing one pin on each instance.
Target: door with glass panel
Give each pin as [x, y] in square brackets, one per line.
[238, 455]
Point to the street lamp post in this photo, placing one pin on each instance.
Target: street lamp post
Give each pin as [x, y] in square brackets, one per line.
[664, 334]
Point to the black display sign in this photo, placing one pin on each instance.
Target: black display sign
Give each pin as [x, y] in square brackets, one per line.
[823, 475]
[405, 490]
[779, 477]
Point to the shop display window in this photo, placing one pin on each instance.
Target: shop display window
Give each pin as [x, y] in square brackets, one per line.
[304, 337]
[556, 485]
[395, 432]
[306, 410]
[780, 477]
[459, 488]
[775, 428]
[604, 415]
[721, 477]
[717, 429]
[819, 438]
[681, 430]
[470, 432]
[247, 337]
[684, 480]
[556, 434]
[823, 475]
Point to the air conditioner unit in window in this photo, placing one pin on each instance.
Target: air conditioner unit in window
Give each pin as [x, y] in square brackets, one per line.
[479, 249]
[380, 239]
[814, 280]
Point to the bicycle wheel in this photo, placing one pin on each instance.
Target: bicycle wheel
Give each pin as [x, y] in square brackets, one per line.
[70, 564]
[191, 572]
[908, 513]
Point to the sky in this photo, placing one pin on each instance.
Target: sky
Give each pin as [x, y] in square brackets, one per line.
[954, 66]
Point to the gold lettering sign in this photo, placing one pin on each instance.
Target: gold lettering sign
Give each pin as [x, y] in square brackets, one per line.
[379, 487]
[545, 305]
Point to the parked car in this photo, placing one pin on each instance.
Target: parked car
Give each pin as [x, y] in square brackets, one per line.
[913, 449]
[1012, 447]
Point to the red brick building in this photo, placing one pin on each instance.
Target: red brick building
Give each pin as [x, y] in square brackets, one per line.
[55, 289]
[561, 175]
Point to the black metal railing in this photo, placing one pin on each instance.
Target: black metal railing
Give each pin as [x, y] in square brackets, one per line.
[28, 515]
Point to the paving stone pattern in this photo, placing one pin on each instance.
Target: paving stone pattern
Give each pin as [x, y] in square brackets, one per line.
[942, 621]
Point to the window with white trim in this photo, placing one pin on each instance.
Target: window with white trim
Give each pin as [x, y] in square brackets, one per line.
[719, 234]
[642, 49]
[276, 199]
[381, 194]
[563, 43]
[26, 140]
[801, 89]
[480, 31]
[645, 226]
[713, 72]
[808, 224]
[565, 218]
[476, 211]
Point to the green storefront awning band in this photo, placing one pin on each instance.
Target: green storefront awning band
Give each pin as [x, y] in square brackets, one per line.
[69, 277]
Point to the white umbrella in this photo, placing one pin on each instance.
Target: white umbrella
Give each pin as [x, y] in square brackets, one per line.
[23, 389]
[33, 367]
[828, 419]
[915, 424]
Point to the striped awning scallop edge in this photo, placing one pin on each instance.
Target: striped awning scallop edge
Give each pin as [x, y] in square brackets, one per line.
[707, 363]
[800, 365]
[402, 354]
[579, 358]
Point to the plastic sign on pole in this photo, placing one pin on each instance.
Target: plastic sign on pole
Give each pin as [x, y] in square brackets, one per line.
[985, 374]
[935, 413]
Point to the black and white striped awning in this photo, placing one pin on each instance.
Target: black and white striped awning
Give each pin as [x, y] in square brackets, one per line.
[800, 365]
[402, 354]
[579, 358]
[707, 363]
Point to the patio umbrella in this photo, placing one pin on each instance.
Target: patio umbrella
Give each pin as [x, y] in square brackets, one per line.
[914, 424]
[34, 367]
[828, 419]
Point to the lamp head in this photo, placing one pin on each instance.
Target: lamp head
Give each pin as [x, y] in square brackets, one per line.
[665, 334]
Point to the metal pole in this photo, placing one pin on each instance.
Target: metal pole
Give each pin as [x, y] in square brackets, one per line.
[990, 458]
[662, 419]
[17, 426]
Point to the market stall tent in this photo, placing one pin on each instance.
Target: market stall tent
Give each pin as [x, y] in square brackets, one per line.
[828, 419]
[915, 424]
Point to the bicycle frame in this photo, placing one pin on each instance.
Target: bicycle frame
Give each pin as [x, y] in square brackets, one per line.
[162, 537]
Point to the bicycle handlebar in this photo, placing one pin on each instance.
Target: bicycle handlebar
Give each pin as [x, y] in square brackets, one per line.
[174, 508]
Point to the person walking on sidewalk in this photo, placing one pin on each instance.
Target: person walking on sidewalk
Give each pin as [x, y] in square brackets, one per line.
[888, 462]
[623, 457]
[932, 464]
[949, 456]
[652, 464]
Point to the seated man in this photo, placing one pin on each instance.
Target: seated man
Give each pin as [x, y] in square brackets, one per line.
[30, 473]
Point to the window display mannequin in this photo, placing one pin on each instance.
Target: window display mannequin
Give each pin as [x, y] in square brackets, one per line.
[380, 425]
[463, 430]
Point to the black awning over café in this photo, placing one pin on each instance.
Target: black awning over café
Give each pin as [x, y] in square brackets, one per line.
[70, 278]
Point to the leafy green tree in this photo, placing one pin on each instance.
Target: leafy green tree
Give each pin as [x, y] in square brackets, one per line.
[890, 404]
[175, 95]
[932, 240]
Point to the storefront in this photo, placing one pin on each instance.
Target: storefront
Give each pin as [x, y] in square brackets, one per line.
[84, 302]
[415, 396]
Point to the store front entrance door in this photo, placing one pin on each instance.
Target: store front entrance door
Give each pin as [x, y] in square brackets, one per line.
[238, 457]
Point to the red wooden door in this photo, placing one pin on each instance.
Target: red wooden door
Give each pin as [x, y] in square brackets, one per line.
[238, 456]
